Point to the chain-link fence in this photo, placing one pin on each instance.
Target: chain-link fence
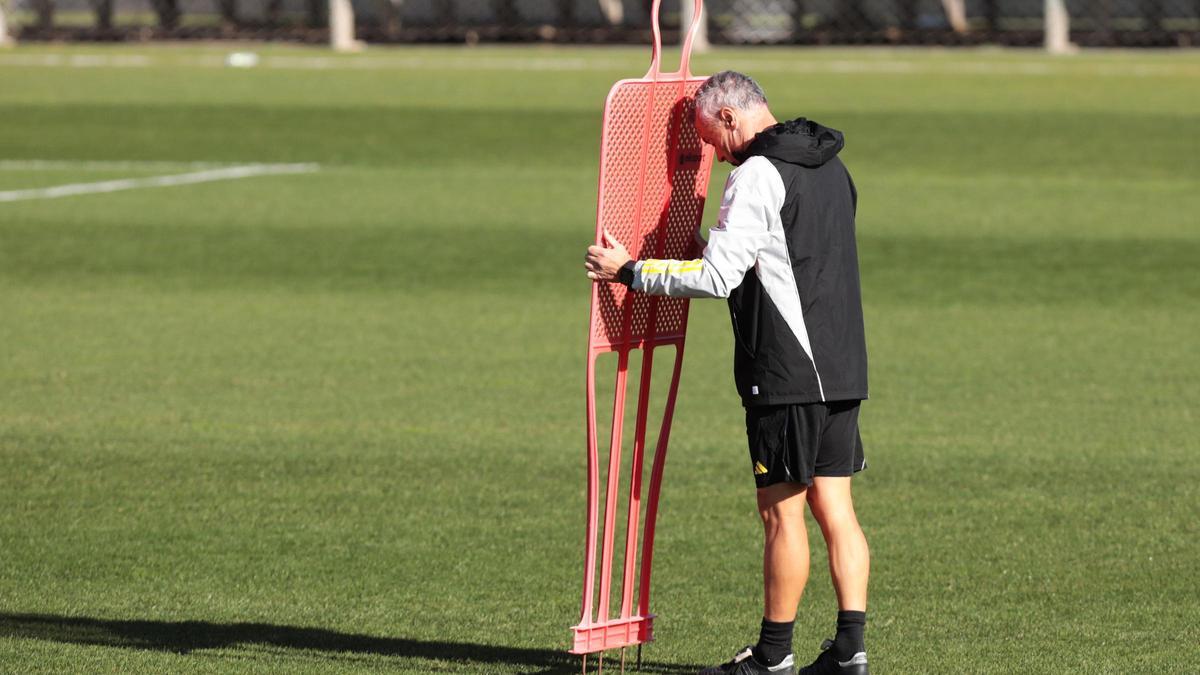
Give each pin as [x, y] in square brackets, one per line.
[928, 22]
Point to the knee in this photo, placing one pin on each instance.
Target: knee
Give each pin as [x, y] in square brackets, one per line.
[781, 515]
[781, 522]
[776, 515]
[832, 513]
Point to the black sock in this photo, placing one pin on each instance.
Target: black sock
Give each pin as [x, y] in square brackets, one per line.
[774, 642]
[849, 639]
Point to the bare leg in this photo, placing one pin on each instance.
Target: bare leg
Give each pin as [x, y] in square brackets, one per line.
[785, 549]
[849, 557]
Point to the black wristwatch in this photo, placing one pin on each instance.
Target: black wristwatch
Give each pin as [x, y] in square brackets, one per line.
[625, 274]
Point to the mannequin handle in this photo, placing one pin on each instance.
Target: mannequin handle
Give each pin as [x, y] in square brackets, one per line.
[685, 56]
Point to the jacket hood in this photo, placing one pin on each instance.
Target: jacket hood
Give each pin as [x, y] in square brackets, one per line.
[799, 141]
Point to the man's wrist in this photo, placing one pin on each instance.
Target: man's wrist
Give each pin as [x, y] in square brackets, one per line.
[625, 273]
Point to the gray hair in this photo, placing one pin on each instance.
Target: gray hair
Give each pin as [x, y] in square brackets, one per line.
[728, 88]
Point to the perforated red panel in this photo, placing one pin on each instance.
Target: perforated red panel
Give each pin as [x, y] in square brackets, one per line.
[653, 179]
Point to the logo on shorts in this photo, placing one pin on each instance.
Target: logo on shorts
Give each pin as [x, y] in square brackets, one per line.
[759, 469]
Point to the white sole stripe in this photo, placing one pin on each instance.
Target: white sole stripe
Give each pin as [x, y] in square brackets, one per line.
[208, 176]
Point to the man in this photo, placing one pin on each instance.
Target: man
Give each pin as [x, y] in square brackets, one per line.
[783, 252]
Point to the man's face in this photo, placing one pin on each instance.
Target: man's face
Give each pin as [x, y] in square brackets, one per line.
[720, 131]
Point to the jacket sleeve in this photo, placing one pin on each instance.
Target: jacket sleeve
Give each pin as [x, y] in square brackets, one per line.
[750, 204]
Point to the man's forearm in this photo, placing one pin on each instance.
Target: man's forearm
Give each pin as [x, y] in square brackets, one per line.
[678, 278]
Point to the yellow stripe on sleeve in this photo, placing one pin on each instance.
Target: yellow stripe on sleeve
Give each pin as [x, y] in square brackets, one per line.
[672, 267]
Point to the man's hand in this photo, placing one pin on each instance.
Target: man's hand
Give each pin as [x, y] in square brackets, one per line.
[602, 263]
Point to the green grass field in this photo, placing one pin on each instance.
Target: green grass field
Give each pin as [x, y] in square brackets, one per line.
[333, 422]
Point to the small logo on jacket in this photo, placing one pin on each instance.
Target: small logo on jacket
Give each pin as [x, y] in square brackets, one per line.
[754, 391]
[759, 469]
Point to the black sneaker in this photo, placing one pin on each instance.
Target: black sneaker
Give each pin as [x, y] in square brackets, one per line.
[827, 663]
[743, 663]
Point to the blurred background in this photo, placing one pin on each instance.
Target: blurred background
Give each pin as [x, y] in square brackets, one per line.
[1158, 23]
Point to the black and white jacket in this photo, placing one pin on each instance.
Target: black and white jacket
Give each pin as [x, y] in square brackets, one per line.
[783, 252]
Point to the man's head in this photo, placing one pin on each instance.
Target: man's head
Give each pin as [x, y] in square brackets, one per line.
[730, 110]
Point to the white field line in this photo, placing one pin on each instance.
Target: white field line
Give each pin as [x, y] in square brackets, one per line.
[107, 165]
[228, 173]
[799, 64]
[78, 60]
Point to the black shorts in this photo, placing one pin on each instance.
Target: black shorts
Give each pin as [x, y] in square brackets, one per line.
[793, 443]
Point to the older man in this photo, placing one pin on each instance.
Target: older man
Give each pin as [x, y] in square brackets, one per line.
[783, 252]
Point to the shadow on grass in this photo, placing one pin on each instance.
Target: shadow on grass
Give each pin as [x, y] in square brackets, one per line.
[186, 636]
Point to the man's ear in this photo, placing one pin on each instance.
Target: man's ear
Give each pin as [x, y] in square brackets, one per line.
[728, 119]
